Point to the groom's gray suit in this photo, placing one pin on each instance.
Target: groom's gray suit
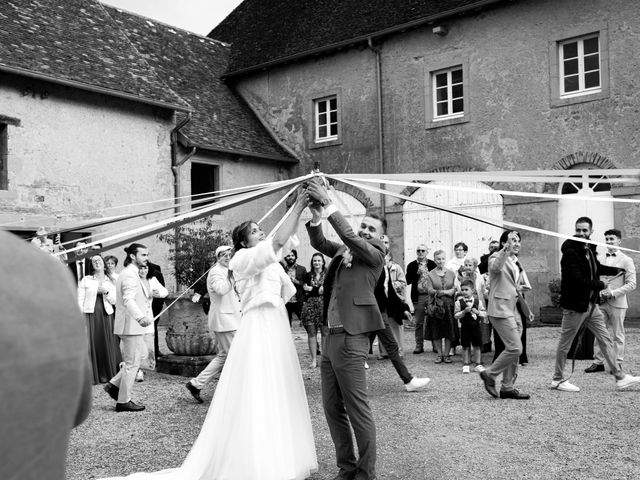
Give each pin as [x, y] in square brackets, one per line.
[350, 312]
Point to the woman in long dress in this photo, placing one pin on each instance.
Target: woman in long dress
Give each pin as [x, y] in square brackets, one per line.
[258, 426]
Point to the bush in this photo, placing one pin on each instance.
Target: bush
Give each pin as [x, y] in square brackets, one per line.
[192, 251]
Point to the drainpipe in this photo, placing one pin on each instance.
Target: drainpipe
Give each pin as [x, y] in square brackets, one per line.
[175, 163]
[379, 106]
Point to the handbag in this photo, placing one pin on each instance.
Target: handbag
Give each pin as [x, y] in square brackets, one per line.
[434, 307]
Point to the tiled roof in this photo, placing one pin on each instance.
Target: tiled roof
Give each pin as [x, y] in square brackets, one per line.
[265, 31]
[75, 42]
[192, 66]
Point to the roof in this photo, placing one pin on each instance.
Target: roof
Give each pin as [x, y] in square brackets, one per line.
[263, 33]
[192, 65]
[76, 43]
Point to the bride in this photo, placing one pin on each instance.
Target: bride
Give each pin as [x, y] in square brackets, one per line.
[258, 425]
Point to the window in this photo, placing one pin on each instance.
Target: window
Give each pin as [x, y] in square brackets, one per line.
[205, 179]
[448, 94]
[4, 184]
[580, 66]
[326, 119]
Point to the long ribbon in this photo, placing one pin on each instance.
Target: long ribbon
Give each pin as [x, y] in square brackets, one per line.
[479, 218]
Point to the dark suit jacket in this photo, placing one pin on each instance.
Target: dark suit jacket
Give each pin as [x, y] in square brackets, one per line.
[391, 303]
[74, 271]
[357, 305]
[413, 277]
[157, 304]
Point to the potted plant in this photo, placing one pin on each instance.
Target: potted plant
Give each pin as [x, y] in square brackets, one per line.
[191, 250]
[552, 313]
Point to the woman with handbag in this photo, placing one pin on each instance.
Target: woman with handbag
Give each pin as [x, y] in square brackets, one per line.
[441, 326]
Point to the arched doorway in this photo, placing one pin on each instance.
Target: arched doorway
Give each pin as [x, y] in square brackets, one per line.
[601, 213]
[356, 211]
[441, 230]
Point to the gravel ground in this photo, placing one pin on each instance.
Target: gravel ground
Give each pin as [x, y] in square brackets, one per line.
[452, 430]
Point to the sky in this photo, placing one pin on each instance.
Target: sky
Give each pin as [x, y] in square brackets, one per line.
[198, 16]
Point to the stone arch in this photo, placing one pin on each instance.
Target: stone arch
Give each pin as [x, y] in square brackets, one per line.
[408, 191]
[575, 159]
[355, 192]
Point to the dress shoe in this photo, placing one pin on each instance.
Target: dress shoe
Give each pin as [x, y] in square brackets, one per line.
[382, 357]
[112, 390]
[489, 384]
[594, 368]
[418, 351]
[514, 394]
[195, 392]
[129, 407]
[416, 384]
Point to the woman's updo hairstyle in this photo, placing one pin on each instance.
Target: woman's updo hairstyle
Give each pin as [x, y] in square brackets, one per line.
[239, 234]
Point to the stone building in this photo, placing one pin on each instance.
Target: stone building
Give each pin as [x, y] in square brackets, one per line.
[100, 108]
[453, 85]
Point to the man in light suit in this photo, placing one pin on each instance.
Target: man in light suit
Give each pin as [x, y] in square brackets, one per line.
[505, 283]
[614, 298]
[224, 317]
[132, 321]
[350, 312]
[45, 378]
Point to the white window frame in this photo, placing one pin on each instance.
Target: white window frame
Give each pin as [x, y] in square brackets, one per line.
[582, 90]
[318, 124]
[450, 99]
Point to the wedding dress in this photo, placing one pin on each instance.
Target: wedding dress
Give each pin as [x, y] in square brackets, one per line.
[258, 426]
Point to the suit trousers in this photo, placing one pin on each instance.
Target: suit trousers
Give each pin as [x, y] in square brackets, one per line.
[214, 368]
[509, 329]
[398, 334]
[132, 347]
[419, 314]
[344, 397]
[571, 322]
[387, 341]
[614, 320]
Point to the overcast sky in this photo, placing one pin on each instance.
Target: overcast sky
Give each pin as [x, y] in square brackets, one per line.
[199, 16]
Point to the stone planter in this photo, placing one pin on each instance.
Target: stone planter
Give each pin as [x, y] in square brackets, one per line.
[551, 315]
[188, 331]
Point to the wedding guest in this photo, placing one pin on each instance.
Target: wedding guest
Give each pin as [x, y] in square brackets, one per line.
[312, 305]
[96, 297]
[483, 266]
[469, 270]
[470, 312]
[417, 271]
[296, 274]
[506, 283]
[460, 250]
[157, 304]
[614, 298]
[224, 318]
[44, 368]
[110, 265]
[80, 266]
[42, 241]
[441, 327]
[396, 320]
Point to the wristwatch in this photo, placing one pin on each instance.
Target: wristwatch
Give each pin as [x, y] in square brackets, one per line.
[324, 202]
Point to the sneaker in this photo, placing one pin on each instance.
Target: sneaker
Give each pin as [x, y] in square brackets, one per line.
[416, 384]
[140, 376]
[627, 381]
[479, 368]
[564, 386]
[465, 369]
[438, 359]
[366, 366]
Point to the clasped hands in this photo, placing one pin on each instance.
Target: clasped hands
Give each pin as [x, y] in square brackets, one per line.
[314, 195]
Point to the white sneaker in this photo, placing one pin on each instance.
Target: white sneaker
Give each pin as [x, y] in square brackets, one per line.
[564, 386]
[416, 384]
[465, 369]
[627, 381]
[366, 366]
[479, 368]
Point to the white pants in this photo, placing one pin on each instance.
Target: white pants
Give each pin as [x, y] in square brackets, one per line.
[215, 366]
[614, 320]
[132, 347]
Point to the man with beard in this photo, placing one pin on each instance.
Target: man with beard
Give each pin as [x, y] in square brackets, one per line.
[297, 274]
[580, 290]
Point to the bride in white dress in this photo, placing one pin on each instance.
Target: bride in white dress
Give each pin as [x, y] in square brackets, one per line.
[258, 425]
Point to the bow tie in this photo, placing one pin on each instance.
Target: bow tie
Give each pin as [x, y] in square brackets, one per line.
[611, 254]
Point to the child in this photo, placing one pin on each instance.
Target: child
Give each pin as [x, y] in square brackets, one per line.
[469, 312]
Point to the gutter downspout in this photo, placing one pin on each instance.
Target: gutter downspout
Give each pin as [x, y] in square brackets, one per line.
[175, 164]
[379, 107]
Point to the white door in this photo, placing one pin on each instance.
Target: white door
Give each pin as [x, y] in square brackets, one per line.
[348, 205]
[601, 213]
[442, 230]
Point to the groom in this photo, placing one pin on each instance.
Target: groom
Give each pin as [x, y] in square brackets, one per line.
[350, 312]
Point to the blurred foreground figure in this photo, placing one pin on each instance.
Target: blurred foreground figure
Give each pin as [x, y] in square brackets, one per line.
[44, 366]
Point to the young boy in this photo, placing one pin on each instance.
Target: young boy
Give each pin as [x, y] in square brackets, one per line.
[470, 312]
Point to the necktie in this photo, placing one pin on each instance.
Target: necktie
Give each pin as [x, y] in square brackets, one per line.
[80, 270]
